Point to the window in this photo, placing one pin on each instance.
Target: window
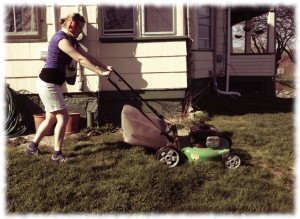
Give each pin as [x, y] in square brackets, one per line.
[250, 35]
[117, 21]
[204, 28]
[23, 22]
[238, 37]
[158, 20]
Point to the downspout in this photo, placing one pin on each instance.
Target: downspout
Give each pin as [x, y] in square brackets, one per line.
[189, 41]
[227, 92]
[228, 47]
[79, 68]
[188, 21]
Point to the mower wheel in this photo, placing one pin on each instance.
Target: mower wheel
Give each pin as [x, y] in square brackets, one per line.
[169, 156]
[231, 161]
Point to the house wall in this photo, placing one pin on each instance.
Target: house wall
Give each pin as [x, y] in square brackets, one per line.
[204, 59]
[147, 64]
[239, 64]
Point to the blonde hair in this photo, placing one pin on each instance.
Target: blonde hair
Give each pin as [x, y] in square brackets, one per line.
[73, 17]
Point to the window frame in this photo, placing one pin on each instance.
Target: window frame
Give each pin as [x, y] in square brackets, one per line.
[118, 35]
[173, 32]
[211, 32]
[10, 36]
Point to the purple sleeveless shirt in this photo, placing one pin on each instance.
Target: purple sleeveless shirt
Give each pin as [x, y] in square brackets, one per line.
[57, 60]
[56, 57]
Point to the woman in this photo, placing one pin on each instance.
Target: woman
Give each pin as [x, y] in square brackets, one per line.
[63, 47]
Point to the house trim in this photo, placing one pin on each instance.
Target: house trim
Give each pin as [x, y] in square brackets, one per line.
[142, 39]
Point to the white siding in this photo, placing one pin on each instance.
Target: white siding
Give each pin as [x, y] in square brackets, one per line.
[203, 63]
[144, 81]
[160, 64]
[148, 65]
[252, 65]
[147, 49]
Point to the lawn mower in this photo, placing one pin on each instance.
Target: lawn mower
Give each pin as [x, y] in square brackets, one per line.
[154, 132]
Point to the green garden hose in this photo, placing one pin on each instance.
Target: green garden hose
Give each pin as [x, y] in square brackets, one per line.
[16, 122]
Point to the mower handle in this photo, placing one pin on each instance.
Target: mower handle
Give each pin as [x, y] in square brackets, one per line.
[132, 90]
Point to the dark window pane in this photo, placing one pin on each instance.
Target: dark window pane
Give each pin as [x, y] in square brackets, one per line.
[118, 20]
[158, 19]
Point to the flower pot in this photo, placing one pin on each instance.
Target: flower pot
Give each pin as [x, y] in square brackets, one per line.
[73, 123]
[38, 119]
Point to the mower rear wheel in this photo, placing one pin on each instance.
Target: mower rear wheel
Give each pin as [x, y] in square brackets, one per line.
[168, 156]
[232, 161]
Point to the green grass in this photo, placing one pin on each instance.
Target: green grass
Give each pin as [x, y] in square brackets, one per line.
[111, 176]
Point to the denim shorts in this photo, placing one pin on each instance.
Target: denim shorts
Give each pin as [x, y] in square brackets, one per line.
[51, 96]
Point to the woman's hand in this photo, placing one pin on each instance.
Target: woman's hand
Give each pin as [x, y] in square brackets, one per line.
[109, 69]
[105, 73]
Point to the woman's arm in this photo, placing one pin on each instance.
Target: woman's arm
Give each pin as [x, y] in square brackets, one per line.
[93, 60]
[83, 58]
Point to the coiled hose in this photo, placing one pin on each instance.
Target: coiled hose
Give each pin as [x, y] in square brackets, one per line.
[16, 122]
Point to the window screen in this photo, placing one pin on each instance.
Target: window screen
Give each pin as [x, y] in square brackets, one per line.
[204, 28]
[22, 22]
[118, 20]
[158, 19]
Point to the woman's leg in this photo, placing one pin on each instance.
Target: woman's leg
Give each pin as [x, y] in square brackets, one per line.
[44, 127]
[62, 117]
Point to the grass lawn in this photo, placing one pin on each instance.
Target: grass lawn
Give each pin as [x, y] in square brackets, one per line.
[112, 177]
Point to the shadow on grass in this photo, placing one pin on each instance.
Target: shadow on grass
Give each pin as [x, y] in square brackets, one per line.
[244, 155]
[88, 148]
[119, 147]
[240, 106]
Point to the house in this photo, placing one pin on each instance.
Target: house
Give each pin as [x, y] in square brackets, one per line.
[171, 54]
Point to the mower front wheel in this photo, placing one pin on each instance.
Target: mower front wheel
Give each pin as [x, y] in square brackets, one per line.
[168, 156]
[231, 161]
